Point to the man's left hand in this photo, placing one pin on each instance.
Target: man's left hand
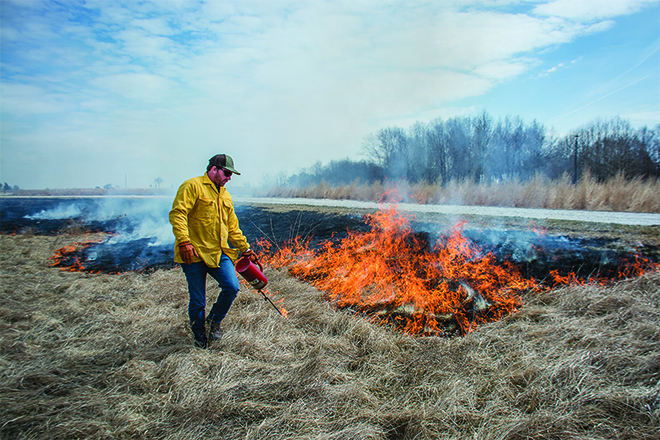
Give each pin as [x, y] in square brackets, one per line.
[251, 255]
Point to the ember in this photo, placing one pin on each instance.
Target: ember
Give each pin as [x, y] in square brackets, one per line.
[69, 258]
[114, 255]
[393, 275]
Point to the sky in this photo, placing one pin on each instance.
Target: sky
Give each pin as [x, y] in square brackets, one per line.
[127, 92]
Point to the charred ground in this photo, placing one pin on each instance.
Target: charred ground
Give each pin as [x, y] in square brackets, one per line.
[587, 249]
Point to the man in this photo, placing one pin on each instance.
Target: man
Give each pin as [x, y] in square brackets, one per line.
[204, 225]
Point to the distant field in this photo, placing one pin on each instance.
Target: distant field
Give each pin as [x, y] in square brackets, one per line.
[618, 194]
[77, 192]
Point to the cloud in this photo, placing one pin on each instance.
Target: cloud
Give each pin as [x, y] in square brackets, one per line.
[27, 100]
[503, 70]
[281, 84]
[554, 69]
[136, 86]
[591, 9]
[649, 117]
[560, 117]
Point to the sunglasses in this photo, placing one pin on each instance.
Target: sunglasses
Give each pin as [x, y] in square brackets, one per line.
[227, 172]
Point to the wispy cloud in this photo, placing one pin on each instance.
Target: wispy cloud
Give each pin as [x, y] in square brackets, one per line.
[560, 117]
[277, 84]
[591, 9]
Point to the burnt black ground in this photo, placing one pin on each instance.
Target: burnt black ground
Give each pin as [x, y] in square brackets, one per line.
[133, 246]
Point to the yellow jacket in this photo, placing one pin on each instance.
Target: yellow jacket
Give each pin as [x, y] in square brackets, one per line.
[204, 215]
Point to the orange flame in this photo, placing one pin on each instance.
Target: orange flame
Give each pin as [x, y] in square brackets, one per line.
[280, 305]
[391, 274]
[66, 257]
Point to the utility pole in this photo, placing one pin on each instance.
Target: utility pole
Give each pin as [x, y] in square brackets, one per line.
[575, 165]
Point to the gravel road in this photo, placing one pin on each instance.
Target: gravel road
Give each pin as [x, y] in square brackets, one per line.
[621, 218]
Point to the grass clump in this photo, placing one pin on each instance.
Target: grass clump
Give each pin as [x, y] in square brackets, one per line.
[110, 356]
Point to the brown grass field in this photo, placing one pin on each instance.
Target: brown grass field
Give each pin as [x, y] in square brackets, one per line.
[111, 357]
[617, 194]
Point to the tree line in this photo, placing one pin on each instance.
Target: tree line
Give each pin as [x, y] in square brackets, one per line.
[479, 149]
[7, 187]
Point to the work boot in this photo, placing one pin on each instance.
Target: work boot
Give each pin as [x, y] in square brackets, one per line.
[202, 343]
[215, 332]
[199, 333]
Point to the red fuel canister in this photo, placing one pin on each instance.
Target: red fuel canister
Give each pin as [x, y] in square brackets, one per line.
[252, 274]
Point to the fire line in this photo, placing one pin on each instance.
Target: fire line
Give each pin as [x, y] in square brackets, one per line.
[394, 276]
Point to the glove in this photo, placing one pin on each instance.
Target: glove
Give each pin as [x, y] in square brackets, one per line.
[187, 252]
[251, 255]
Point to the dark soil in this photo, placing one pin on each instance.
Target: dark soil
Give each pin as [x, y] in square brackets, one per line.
[537, 247]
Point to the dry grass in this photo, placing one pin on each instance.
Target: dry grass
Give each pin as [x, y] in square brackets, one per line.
[354, 191]
[110, 356]
[617, 194]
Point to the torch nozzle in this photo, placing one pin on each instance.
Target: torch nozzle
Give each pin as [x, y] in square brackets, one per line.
[267, 298]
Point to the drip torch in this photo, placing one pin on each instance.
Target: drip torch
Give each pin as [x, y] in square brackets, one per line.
[255, 277]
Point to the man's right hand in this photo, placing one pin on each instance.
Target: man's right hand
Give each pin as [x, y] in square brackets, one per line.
[187, 252]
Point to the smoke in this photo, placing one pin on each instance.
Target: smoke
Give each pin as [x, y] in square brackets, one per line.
[62, 211]
[522, 246]
[538, 254]
[141, 235]
[129, 219]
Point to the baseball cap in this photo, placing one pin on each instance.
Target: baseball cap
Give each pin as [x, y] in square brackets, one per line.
[223, 161]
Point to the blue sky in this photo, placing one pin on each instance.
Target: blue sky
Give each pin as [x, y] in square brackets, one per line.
[124, 92]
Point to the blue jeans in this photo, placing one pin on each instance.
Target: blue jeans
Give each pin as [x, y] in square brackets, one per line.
[225, 275]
